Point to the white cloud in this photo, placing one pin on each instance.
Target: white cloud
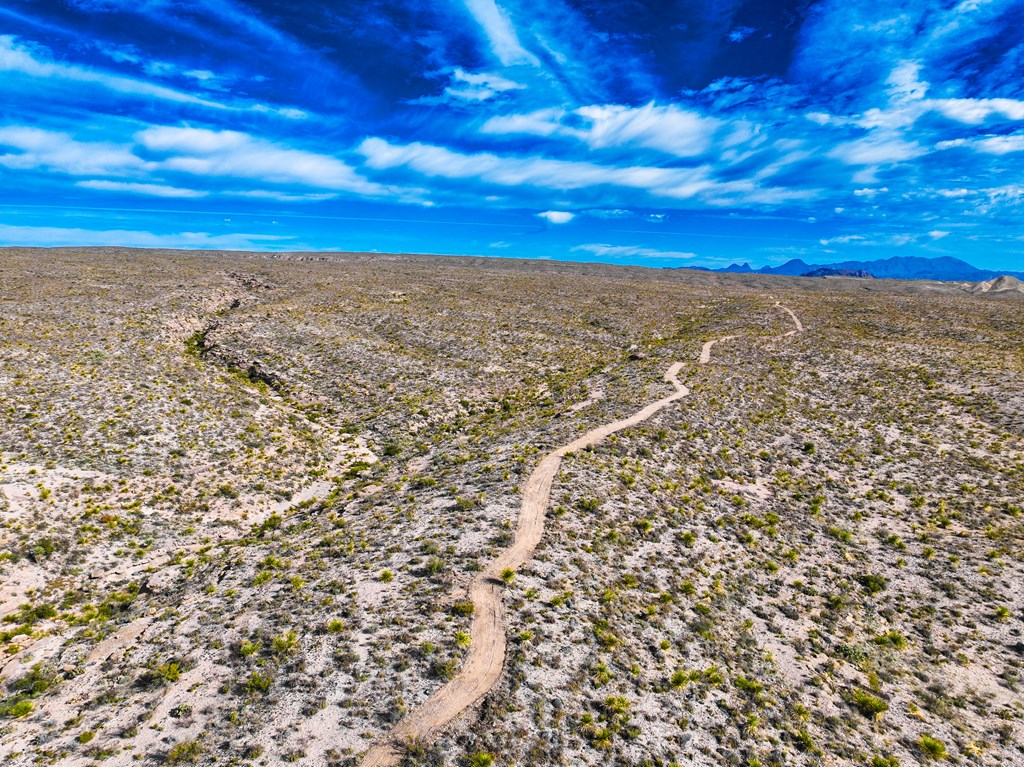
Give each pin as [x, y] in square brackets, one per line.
[674, 183]
[478, 86]
[739, 34]
[202, 75]
[976, 111]
[625, 251]
[498, 28]
[59, 152]
[937, 234]
[265, 194]
[869, 192]
[856, 239]
[205, 152]
[47, 236]
[988, 144]
[15, 57]
[557, 216]
[155, 68]
[290, 113]
[611, 213]
[543, 122]
[877, 149]
[904, 84]
[20, 58]
[154, 190]
[669, 129]
[438, 161]
[843, 240]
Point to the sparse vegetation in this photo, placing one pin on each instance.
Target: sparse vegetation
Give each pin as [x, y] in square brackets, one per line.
[243, 500]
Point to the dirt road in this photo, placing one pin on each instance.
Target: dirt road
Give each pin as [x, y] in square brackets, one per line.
[486, 655]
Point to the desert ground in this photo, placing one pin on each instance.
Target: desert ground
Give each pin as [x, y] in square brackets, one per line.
[391, 509]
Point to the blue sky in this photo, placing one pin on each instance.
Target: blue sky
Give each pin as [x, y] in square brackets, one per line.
[697, 132]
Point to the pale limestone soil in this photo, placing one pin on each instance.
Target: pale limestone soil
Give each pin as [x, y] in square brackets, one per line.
[484, 662]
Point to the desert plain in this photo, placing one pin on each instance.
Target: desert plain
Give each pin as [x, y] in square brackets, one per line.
[264, 509]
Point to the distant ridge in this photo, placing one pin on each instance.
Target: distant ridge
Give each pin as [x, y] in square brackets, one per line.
[944, 268]
[828, 271]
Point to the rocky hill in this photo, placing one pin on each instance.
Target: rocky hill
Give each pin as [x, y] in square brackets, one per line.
[1004, 284]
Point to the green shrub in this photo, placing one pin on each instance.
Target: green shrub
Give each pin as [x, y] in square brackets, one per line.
[893, 639]
[748, 685]
[884, 761]
[16, 707]
[286, 644]
[932, 748]
[679, 679]
[444, 669]
[258, 682]
[168, 672]
[335, 626]
[38, 680]
[872, 583]
[187, 751]
[41, 549]
[434, 566]
[868, 704]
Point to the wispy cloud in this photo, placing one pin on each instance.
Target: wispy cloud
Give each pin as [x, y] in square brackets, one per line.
[671, 129]
[988, 144]
[209, 153]
[36, 62]
[675, 183]
[19, 58]
[152, 190]
[500, 33]
[59, 152]
[633, 251]
[50, 236]
[471, 88]
[877, 149]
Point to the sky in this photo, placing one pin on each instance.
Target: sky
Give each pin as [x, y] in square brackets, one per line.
[650, 132]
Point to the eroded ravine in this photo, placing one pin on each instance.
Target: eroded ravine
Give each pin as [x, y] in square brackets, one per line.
[486, 656]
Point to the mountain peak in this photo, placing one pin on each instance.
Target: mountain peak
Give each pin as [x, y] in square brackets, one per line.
[943, 268]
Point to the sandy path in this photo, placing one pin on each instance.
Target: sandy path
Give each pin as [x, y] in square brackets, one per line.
[486, 656]
[705, 351]
[796, 320]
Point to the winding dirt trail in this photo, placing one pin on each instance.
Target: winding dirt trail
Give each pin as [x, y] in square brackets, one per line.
[486, 656]
[796, 320]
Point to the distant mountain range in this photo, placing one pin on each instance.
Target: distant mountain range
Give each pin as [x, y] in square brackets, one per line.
[828, 271]
[897, 268]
